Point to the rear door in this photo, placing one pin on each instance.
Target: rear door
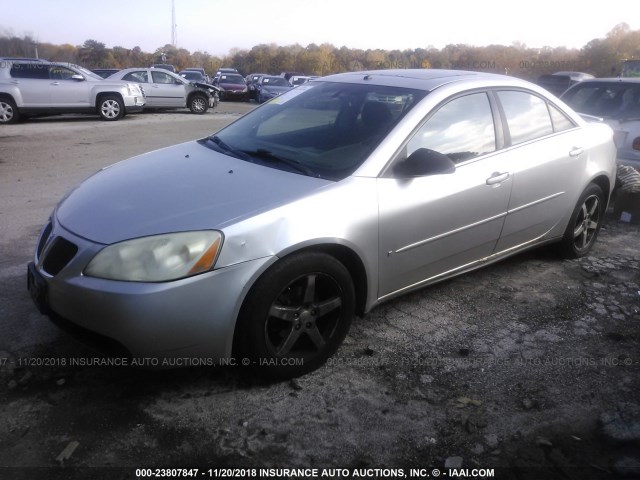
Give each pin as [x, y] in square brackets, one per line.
[544, 154]
[32, 79]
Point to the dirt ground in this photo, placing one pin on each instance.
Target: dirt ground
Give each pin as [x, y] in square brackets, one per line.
[529, 368]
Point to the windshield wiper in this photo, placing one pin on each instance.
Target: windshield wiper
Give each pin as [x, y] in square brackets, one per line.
[227, 149]
[265, 154]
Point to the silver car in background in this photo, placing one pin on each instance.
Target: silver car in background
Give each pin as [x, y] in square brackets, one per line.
[165, 89]
[616, 102]
[38, 87]
[264, 240]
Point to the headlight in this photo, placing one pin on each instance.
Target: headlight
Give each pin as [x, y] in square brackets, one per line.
[158, 258]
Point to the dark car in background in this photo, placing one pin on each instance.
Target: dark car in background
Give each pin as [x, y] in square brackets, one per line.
[558, 82]
[269, 86]
[616, 102]
[164, 66]
[193, 76]
[232, 87]
[251, 80]
[105, 72]
[201, 70]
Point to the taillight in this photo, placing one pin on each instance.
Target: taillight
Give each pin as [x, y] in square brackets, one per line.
[636, 143]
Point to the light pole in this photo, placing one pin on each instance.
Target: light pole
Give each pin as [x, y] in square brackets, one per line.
[35, 45]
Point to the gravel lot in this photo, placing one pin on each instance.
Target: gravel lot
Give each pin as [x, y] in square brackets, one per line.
[529, 367]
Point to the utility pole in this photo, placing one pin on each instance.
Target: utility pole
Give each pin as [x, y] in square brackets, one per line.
[174, 26]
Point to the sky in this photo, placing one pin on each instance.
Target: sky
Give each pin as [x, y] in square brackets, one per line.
[217, 26]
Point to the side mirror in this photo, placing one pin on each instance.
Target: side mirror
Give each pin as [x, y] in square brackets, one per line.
[77, 77]
[424, 162]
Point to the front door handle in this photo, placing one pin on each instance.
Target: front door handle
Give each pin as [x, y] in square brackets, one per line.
[575, 151]
[497, 177]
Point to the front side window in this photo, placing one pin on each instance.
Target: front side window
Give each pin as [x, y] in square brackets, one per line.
[462, 129]
[322, 129]
[138, 77]
[61, 73]
[527, 116]
[161, 77]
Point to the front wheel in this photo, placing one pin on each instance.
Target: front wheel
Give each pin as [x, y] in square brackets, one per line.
[296, 315]
[111, 108]
[584, 224]
[199, 104]
[8, 111]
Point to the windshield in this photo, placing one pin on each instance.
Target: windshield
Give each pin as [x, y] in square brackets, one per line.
[89, 73]
[275, 82]
[232, 79]
[609, 100]
[320, 129]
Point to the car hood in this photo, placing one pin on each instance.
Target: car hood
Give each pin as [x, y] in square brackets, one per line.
[205, 86]
[275, 89]
[180, 188]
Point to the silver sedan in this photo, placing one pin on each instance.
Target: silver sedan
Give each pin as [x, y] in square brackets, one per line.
[263, 241]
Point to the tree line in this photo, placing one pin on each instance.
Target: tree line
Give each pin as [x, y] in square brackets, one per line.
[601, 57]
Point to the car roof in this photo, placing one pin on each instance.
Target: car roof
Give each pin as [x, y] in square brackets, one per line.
[634, 80]
[421, 79]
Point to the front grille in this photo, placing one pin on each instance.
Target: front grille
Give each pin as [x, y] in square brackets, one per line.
[58, 255]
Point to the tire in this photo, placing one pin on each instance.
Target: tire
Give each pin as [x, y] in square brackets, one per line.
[8, 111]
[585, 223]
[199, 104]
[295, 316]
[111, 108]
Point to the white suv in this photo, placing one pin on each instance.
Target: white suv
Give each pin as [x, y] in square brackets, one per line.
[36, 88]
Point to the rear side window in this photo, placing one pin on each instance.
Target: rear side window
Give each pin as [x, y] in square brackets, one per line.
[527, 116]
[30, 70]
[560, 121]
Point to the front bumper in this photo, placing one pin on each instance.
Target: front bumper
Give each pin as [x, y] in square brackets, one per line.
[235, 95]
[188, 318]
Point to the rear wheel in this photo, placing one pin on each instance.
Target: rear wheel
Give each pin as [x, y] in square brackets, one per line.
[198, 104]
[296, 315]
[8, 111]
[585, 223]
[111, 108]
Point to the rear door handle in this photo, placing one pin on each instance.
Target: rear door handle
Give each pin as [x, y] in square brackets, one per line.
[575, 151]
[55, 83]
[497, 177]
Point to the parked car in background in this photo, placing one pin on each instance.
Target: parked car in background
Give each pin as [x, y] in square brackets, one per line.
[269, 86]
[45, 88]
[193, 76]
[264, 240]
[288, 75]
[164, 66]
[232, 87]
[105, 72]
[251, 80]
[225, 70]
[616, 102]
[558, 82]
[207, 78]
[296, 80]
[164, 89]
